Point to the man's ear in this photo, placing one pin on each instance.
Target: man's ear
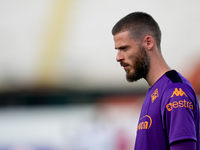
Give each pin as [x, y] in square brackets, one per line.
[148, 42]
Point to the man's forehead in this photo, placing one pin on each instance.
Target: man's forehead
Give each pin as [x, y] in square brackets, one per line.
[122, 38]
[123, 34]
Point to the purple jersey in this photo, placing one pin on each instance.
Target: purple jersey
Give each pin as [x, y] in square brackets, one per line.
[169, 113]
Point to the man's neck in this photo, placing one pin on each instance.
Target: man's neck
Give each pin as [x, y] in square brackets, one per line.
[158, 67]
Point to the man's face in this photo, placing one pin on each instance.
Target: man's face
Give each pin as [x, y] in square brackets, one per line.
[132, 56]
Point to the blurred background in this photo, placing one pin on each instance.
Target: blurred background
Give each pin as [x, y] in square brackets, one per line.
[60, 85]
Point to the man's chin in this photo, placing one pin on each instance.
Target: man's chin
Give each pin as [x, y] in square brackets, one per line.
[132, 77]
[132, 80]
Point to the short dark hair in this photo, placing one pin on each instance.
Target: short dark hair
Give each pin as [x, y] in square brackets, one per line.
[139, 24]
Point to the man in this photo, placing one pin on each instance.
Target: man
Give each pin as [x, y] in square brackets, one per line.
[169, 118]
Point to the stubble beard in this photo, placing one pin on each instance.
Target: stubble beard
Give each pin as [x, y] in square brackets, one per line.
[141, 65]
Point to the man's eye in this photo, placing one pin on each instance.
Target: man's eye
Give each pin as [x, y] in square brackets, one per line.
[124, 48]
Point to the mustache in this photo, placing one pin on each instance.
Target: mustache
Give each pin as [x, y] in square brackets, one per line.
[123, 64]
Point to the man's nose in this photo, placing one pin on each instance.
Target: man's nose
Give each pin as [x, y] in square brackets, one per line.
[119, 56]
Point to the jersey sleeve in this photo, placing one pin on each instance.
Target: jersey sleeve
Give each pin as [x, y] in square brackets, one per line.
[178, 112]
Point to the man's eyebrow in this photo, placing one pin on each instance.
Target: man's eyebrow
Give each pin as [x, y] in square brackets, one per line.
[122, 47]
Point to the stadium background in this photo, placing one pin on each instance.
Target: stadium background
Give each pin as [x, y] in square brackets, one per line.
[60, 86]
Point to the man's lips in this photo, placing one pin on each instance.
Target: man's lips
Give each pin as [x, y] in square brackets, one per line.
[125, 65]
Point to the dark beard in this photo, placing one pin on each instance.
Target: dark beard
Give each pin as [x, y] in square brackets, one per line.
[141, 66]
